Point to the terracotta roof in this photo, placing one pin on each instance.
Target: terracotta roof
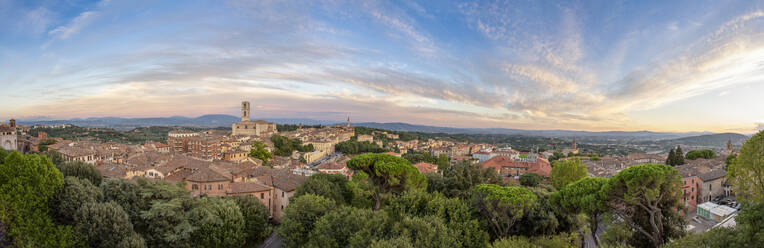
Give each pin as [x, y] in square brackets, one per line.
[246, 187]
[287, 181]
[541, 166]
[713, 175]
[75, 151]
[207, 175]
[426, 167]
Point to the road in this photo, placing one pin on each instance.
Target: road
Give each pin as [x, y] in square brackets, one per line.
[272, 241]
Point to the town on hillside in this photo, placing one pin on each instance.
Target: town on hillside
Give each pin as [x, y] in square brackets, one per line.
[218, 162]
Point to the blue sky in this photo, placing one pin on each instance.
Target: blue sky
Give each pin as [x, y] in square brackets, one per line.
[584, 65]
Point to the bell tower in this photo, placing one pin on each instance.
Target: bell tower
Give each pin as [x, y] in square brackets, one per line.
[245, 111]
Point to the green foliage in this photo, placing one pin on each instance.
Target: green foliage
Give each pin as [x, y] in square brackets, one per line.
[387, 174]
[552, 241]
[255, 218]
[428, 231]
[81, 170]
[72, 196]
[583, 196]
[459, 179]
[218, 222]
[167, 223]
[455, 213]
[530, 179]
[332, 186]
[103, 224]
[696, 154]
[285, 146]
[300, 216]
[348, 227]
[443, 162]
[416, 157]
[27, 184]
[501, 206]
[356, 147]
[128, 195]
[646, 197]
[568, 171]
[679, 155]
[3, 154]
[729, 160]
[43, 145]
[671, 159]
[545, 218]
[258, 151]
[746, 174]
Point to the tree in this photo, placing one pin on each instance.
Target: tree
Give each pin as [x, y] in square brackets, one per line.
[387, 174]
[671, 159]
[552, 241]
[167, 223]
[348, 227]
[103, 224]
[355, 147]
[3, 154]
[331, 186]
[428, 231]
[679, 155]
[530, 179]
[501, 207]
[729, 160]
[583, 196]
[75, 193]
[27, 184]
[300, 216]
[696, 154]
[459, 179]
[568, 171]
[746, 173]
[218, 222]
[81, 170]
[255, 218]
[455, 213]
[646, 198]
[43, 145]
[443, 162]
[285, 146]
[126, 194]
[259, 152]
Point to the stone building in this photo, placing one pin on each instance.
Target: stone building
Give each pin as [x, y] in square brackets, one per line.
[8, 138]
[252, 128]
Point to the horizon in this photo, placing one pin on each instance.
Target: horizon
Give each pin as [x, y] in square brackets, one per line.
[680, 66]
[43, 119]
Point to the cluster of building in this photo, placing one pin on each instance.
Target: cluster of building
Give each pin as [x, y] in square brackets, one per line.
[511, 164]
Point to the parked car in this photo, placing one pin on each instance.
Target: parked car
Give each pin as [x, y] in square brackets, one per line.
[718, 198]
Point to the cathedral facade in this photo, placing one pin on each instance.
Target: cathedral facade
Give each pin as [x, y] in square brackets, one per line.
[252, 128]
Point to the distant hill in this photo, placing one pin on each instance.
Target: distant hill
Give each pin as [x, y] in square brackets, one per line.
[635, 135]
[201, 121]
[717, 140]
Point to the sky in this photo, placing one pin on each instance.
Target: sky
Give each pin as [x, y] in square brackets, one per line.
[576, 65]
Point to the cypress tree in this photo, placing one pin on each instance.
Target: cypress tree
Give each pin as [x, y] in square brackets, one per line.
[671, 158]
[679, 155]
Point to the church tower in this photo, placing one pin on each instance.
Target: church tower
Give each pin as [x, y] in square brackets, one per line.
[348, 125]
[574, 146]
[245, 111]
[730, 148]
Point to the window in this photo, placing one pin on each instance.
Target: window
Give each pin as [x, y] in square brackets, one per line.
[282, 194]
[282, 207]
[194, 187]
[693, 189]
[709, 187]
[220, 187]
[262, 195]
